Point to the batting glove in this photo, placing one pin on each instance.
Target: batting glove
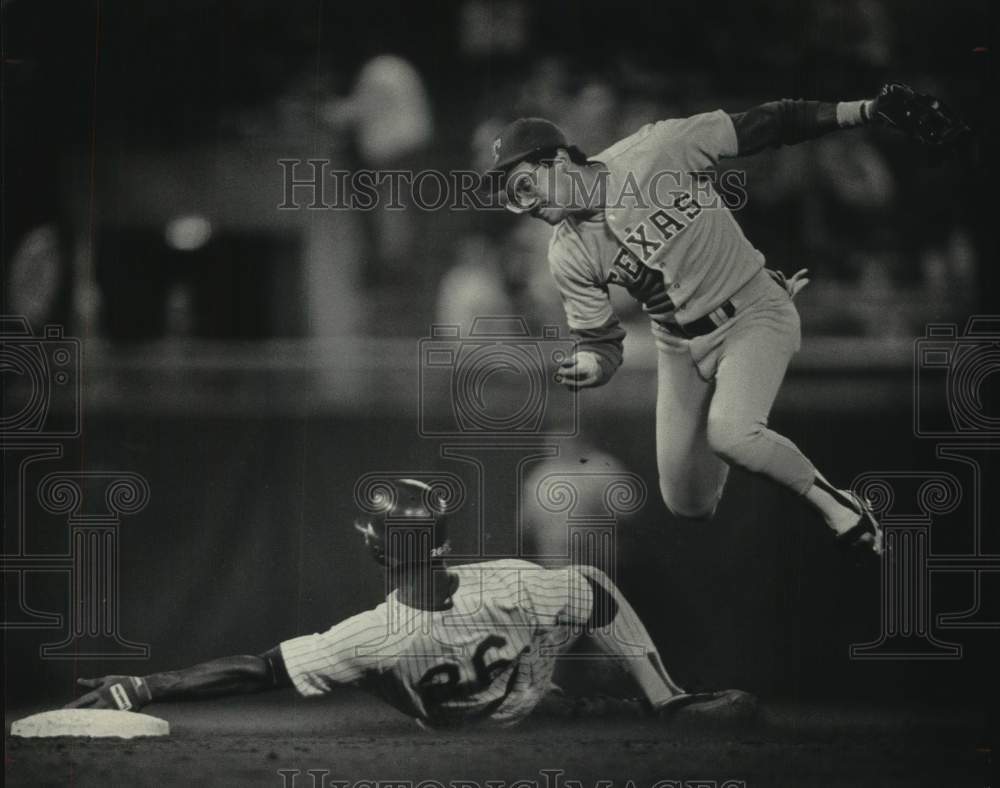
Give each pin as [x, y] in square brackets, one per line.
[126, 693]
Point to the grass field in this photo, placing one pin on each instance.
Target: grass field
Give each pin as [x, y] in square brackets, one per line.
[249, 741]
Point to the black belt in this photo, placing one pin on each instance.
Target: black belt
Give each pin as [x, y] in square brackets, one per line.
[701, 326]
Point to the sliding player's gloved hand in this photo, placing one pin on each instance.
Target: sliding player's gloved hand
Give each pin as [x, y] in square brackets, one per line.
[922, 117]
[127, 693]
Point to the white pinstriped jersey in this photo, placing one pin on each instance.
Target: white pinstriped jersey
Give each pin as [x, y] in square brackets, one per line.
[489, 656]
[665, 233]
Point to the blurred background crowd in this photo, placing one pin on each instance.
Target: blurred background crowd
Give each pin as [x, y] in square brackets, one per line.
[141, 175]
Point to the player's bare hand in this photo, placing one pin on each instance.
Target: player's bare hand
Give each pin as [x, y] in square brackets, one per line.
[797, 281]
[582, 371]
[128, 693]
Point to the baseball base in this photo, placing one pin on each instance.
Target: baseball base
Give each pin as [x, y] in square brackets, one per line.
[90, 722]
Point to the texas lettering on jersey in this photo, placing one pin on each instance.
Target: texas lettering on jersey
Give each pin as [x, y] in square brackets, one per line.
[643, 283]
[648, 236]
[646, 285]
[697, 247]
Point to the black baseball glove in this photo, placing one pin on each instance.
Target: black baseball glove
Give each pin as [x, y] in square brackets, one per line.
[924, 118]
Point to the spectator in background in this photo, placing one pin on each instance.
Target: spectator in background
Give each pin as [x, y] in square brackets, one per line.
[494, 270]
[496, 277]
[546, 91]
[37, 278]
[939, 257]
[831, 205]
[856, 31]
[492, 28]
[593, 116]
[779, 214]
[388, 116]
[474, 286]
[853, 234]
[858, 192]
[389, 110]
[589, 111]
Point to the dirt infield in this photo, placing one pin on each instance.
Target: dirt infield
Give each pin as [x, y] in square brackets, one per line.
[250, 742]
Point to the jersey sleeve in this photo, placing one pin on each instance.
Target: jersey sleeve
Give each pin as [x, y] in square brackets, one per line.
[698, 142]
[784, 122]
[585, 300]
[557, 596]
[318, 663]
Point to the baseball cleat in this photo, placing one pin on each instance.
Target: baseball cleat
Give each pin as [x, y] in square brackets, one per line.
[867, 525]
[725, 707]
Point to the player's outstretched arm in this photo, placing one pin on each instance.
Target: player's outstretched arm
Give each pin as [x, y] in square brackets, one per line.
[918, 115]
[788, 121]
[237, 675]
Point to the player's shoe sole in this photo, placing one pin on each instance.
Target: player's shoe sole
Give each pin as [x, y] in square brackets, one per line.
[730, 707]
[867, 525]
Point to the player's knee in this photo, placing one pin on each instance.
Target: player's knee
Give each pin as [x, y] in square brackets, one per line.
[690, 507]
[605, 595]
[732, 439]
[595, 575]
[697, 512]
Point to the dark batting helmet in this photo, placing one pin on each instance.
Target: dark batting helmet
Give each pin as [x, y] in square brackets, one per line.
[403, 522]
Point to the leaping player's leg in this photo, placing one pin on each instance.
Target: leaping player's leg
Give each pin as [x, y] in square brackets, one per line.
[751, 368]
[692, 476]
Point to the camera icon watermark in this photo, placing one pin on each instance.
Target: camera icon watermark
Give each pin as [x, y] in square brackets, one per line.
[497, 381]
[954, 406]
[41, 382]
[956, 368]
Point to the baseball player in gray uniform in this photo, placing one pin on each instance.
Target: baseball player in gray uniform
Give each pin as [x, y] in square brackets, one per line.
[644, 215]
[450, 645]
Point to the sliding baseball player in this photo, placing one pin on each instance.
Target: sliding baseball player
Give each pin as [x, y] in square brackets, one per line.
[450, 645]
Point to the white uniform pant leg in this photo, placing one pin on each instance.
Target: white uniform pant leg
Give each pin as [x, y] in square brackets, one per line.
[692, 476]
[751, 367]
